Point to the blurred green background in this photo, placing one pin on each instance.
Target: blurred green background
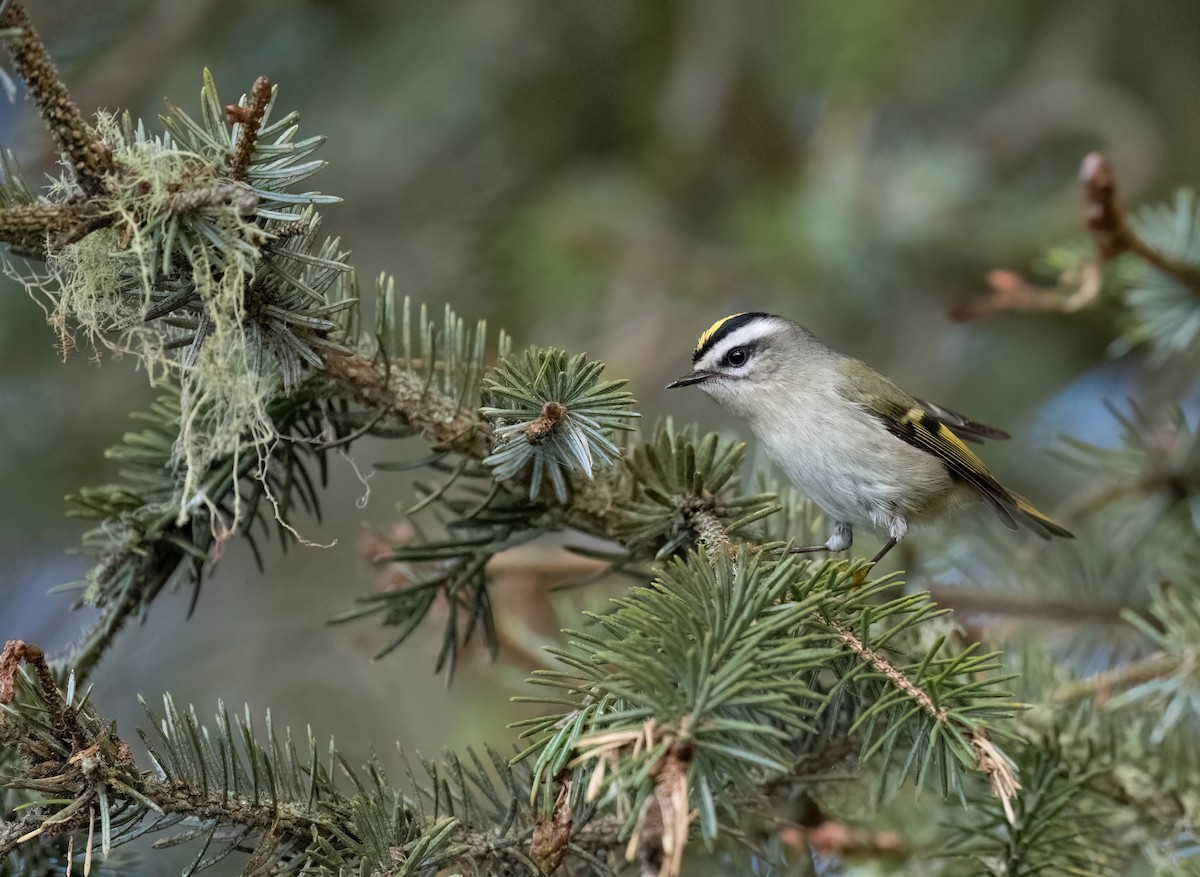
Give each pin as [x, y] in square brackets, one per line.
[606, 177]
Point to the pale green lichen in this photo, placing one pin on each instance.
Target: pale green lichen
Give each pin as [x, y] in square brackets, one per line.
[210, 276]
[109, 281]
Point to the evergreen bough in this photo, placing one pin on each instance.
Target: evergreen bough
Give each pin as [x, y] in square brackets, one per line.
[759, 705]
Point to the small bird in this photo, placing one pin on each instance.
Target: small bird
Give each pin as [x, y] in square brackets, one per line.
[861, 448]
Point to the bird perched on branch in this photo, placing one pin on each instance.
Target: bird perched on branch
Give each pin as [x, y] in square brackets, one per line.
[861, 448]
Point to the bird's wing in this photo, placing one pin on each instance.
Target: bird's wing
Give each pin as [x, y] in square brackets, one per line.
[964, 427]
[922, 429]
[972, 430]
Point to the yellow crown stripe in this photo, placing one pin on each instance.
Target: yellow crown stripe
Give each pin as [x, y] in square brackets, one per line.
[713, 329]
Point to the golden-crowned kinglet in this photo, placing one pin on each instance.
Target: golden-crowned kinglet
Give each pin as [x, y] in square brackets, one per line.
[860, 447]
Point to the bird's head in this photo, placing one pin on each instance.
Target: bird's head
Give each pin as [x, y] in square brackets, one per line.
[744, 361]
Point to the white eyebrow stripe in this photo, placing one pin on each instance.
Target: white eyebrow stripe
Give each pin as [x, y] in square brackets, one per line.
[738, 338]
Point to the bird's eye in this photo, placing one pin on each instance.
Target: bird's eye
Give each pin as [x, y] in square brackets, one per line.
[737, 356]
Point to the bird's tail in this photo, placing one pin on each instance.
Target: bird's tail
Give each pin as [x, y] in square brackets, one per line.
[1039, 523]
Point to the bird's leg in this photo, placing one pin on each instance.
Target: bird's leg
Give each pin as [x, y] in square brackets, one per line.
[897, 530]
[888, 546]
[841, 539]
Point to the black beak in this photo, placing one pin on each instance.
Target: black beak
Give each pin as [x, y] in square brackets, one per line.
[688, 380]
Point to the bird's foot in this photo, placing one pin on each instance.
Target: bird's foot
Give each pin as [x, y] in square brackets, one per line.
[842, 538]
[807, 549]
[887, 546]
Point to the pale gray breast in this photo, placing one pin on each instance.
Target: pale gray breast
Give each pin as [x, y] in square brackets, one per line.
[848, 463]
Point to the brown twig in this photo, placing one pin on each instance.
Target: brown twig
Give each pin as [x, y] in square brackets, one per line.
[1009, 291]
[237, 195]
[249, 116]
[1112, 233]
[35, 228]
[1101, 686]
[403, 394]
[1014, 605]
[88, 155]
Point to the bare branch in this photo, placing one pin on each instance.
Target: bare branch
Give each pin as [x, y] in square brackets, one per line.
[33, 228]
[1112, 233]
[1009, 291]
[989, 601]
[90, 158]
[403, 394]
[241, 197]
[1102, 686]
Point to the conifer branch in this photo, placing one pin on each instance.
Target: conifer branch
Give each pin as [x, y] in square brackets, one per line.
[88, 155]
[96, 768]
[261, 793]
[1016, 605]
[236, 195]
[396, 391]
[28, 227]
[696, 700]
[1021, 841]
[990, 761]
[155, 564]
[1100, 687]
